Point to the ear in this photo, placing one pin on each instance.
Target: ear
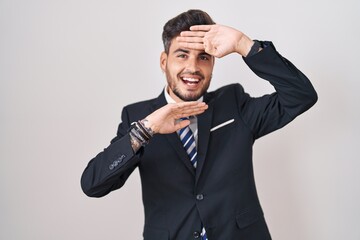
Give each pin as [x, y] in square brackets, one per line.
[163, 61]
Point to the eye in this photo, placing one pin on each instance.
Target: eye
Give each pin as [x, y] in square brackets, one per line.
[181, 56]
[204, 57]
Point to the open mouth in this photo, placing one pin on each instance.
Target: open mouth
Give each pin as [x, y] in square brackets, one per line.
[190, 81]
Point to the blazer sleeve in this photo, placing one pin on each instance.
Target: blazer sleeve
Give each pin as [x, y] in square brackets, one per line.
[294, 93]
[110, 169]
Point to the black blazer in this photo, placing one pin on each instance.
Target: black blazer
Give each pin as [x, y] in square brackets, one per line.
[221, 192]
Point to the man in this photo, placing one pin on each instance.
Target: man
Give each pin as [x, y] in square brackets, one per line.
[197, 181]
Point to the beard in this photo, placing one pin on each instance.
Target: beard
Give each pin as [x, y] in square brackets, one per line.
[187, 96]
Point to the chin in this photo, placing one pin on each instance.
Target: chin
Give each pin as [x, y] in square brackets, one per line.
[189, 97]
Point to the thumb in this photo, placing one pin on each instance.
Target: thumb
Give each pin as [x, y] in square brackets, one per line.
[182, 124]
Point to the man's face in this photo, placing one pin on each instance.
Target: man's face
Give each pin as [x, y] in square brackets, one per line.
[188, 72]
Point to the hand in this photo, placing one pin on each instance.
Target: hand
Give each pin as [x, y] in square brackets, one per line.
[216, 40]
[164, 120]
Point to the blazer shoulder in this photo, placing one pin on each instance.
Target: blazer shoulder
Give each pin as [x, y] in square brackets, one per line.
[140, 105]
[139, 110]
[227, 90]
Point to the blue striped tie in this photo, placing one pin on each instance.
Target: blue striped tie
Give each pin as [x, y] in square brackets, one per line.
[188, 141]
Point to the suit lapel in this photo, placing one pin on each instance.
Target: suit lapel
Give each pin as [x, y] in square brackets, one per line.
[173, 138]
[179, 149]
[204, 125]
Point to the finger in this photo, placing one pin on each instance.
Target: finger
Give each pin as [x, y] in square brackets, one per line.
[196, 108]
[183, 104]
[204, 28]
[188, 108]
[182, 124]
[195, 46]
[188, 115]
[190, 39]
[189, 112]
[192, 34]
[190, 104]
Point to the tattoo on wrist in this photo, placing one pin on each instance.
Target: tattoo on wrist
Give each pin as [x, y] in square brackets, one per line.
[148, 130]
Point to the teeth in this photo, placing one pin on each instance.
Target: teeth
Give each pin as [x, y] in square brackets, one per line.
[191, 79]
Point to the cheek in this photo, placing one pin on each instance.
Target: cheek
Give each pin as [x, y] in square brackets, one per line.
[174, 69]
[208, 72]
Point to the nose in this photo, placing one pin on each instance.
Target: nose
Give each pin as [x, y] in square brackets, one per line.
[192, 65]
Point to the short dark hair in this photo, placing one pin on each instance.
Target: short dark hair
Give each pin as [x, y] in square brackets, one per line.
[183, 22]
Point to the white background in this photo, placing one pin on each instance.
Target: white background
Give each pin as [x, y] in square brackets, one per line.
[68, 67]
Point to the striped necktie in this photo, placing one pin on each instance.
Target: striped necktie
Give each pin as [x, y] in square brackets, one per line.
[188, 140]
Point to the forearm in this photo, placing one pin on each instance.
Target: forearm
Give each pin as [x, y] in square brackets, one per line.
[294, 93]
[293, 89]
[110, 168]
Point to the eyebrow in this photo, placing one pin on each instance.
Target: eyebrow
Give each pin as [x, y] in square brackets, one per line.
[187, 51]
[181, 50]
[205, 53]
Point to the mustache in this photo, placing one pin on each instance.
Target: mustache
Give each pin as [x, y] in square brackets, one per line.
[196, 73]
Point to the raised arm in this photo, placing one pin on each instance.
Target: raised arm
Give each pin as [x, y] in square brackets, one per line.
[294, 92]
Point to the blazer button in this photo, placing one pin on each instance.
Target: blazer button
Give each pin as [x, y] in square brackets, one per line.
[199, 197]
[196, 234]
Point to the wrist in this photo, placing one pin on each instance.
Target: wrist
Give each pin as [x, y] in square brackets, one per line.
[255, 48]
[149, 125]
[139, 135]
[244, 45]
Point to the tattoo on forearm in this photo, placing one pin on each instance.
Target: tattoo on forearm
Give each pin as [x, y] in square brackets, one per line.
[135, 144]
